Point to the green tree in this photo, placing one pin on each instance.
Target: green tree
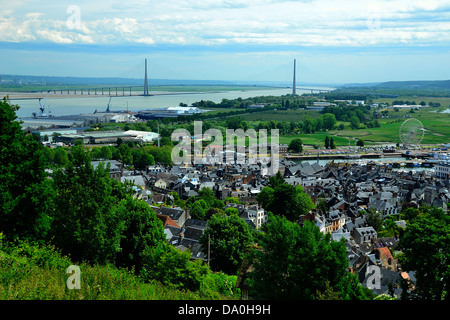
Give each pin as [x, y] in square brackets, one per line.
[360, 143]
[285, 200]
[296, 145]
[265, 197]
[374, 219]
[125, 154]
[332, 144]
[276, 180]
[198, 209]
[172, 267]
[228, 237]
[141, 159]
[294, 262]
[426, 251]
[85, 224]
[329, 121]
[354, 122]
[106, 152]
[25, 192]
[60, 157]
[140, 230]
[327, 142]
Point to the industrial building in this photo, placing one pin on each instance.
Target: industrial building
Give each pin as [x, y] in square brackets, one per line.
[95, 137]
[145, 136]
[169, 112]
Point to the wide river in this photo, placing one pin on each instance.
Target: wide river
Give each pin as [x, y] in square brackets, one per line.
[58, 105]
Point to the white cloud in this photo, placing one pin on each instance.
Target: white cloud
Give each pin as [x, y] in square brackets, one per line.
[204, 22]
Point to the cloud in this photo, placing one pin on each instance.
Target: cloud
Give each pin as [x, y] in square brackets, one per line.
[234, 22]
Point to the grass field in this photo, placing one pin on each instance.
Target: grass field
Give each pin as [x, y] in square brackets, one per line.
[437, 126]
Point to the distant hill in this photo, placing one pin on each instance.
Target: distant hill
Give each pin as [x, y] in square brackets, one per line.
[426, 88]
[436, 84]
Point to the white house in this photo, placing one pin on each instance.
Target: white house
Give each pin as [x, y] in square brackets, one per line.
[145, 136]
[255, 214]
[442, 169]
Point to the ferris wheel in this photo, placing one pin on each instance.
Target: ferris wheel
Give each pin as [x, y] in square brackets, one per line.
[411, 132]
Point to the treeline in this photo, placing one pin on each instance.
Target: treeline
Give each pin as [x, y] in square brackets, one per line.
[86, 215]
[137, 155]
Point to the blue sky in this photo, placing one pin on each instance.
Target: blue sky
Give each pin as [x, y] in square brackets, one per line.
[333, 41]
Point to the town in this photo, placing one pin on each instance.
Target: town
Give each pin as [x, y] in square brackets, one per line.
[349, 191]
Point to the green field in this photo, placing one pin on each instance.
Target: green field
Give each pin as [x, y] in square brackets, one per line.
[437, 126]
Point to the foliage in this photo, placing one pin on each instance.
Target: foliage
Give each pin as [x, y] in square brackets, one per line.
[295, 262]
[215, 284]
[172, 267]
[37, 272]
[25, 193]
[374, 219]
[141, 230]
[228, 237]
[296, 145]
[426, 251]
[285, 200]
[84, 222]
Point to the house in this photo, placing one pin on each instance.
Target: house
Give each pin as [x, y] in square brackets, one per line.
[364, 234]
[187, 238]
[258, 216]
[167, 221]
[137, 180]
[160, 184]
[176, 214]
[384, 207]
[115, 167]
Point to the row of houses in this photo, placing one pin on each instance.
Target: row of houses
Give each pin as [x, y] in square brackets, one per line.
[348, 191]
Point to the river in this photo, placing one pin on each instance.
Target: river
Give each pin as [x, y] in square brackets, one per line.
[58, 105]
[380, 160]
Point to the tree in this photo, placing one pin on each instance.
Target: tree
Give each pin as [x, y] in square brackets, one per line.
[172, 267]
[141, 159]
[426, 251]
[25, 192]
[85, 223]
[265, 197]
[354, 122]
[294, 262]
[140, 231]
[360, 143]
[374, 219]
[60, 157]
[228, 237]
[106, 152]
[296, 145]
[327, 142]
[329, 121]
[125, 154]
[276, 180]
[332, 144]
[285, 200]
[198, 209]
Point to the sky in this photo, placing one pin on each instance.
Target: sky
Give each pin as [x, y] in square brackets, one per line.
[333, 41]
